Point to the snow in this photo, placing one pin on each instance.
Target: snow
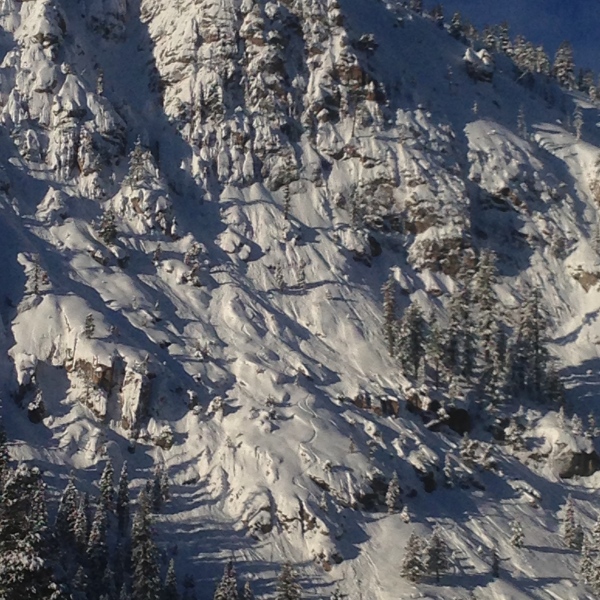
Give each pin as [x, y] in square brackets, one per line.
[250, 462]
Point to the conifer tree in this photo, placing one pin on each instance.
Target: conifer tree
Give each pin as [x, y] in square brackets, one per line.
[393, 493]
[122, 504]
[529, 352]
[437, 556]
[586, 562]
[248, 593]
[517, 536]
[595, 543]
[413, 565]
[434, 348]
[389, 313]
[67, 511]
[107, 230]
[80, 526]
[564, 66]
[109, 583]
[410, 340]
[571, 531]
[455, 29]
[89, 327]
[24, 536]
[107, 486]
[288, 587]
[4, 456]
[146, 583]
[170, 591]
[97, 549]
[227, 587]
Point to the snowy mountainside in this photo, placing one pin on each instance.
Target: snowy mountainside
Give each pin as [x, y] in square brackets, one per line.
[224, 187]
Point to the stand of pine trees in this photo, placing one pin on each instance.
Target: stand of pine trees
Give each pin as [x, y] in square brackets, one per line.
[94, 549]
[476, 344]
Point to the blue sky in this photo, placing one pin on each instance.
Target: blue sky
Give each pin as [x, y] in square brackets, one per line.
[542, 21]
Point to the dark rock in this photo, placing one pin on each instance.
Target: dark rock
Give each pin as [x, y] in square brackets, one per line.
[568, 463]
[459, 420]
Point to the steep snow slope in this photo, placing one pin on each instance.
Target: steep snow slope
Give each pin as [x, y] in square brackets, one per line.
[284, 151]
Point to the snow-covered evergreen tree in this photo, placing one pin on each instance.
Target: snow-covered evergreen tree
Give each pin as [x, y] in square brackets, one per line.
[288, 587]
[571, 531]
[107, 486]
[563, 68]
[170, 591]
[227, 587]
[66, 514]
[413, 566]
[437, 555]
[25, 570]
[410, 340]
[146, 583]
[455, 29]
[97, 549]
[393, 493]
[389, 313]
[122, 503]
[517, 537]
[89, 326]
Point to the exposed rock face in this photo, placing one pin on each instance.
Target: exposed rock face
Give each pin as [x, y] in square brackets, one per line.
[568, 463]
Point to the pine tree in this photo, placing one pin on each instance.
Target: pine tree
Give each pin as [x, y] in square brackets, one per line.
[67, 511]
[80, 526]
[4, 456]
[170, 591]
[596, 536]
[486, 300]
[248, 593]
[564, 66]
[504, 44]
[107, 230]
[410, 340]
[107, 486]
[417, 6]
[146, 583]
[529, 352]
[522, 123]
[122, 505]
[109, 584]
[301, 275]
[517, 536]
[89, 326]
[227, 587]
[413, 565]
[288, 587]
[389, 313]
[97, 549]
[586, 562]
[455, 29]
[571, 531]
[437, 556]
[434, 348]
[576, 425]
[24, 536]
[393, 493]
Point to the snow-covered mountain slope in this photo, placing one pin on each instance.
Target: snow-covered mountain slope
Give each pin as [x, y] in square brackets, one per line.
[283, 158]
